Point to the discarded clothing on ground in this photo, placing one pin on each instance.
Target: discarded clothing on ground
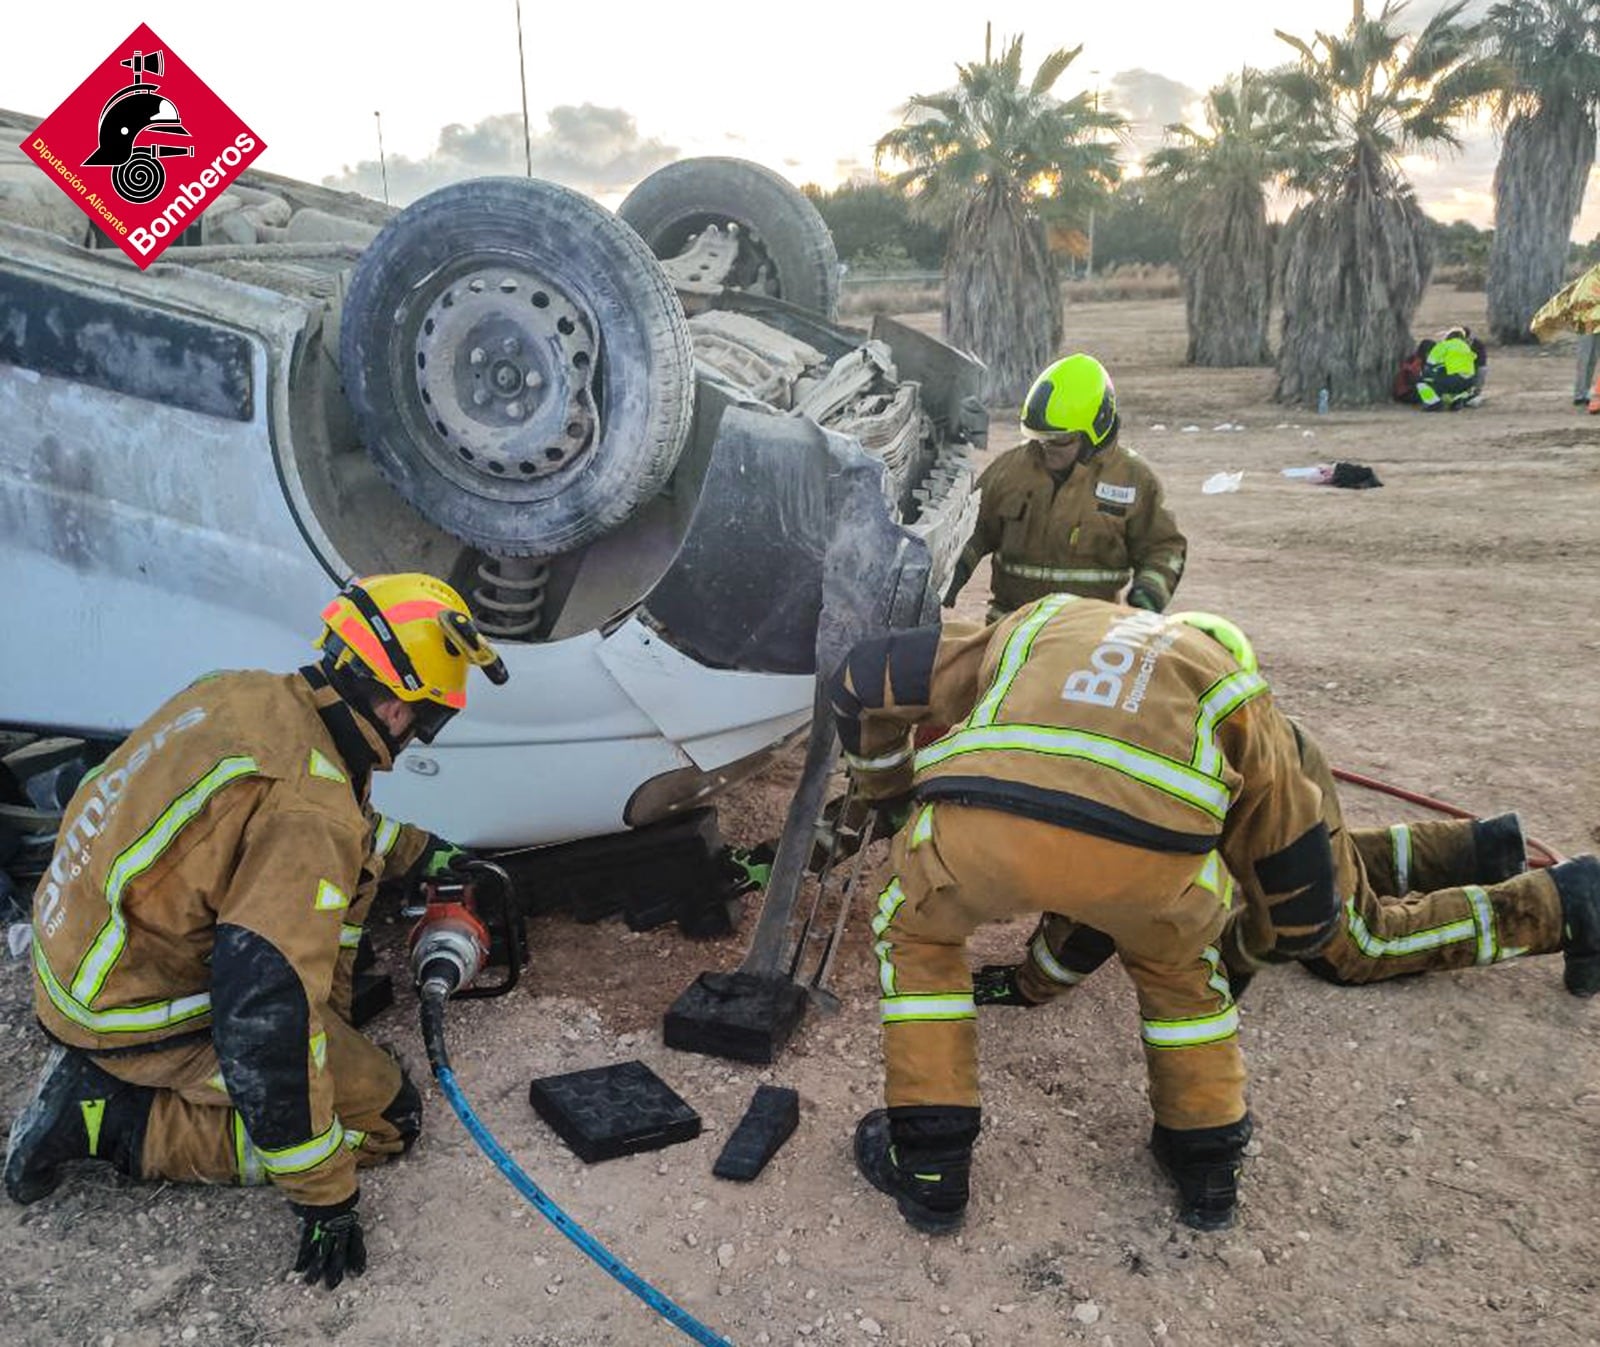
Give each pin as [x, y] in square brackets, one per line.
[1356, 476]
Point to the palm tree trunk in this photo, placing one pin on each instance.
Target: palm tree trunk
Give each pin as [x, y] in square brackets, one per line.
[1227, 279]
[1002, 295]
[1538, 191]
[1355, 264]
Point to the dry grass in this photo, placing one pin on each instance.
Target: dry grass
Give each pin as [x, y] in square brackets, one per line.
[1132, 280]
[1472, 276]
[890, 296]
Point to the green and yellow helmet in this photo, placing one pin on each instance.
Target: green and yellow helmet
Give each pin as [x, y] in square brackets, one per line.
[1072, 396]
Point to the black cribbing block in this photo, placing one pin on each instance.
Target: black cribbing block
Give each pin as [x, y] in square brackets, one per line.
[770, 1120]
[613, 1110]
[746, 1016]
[371, 995]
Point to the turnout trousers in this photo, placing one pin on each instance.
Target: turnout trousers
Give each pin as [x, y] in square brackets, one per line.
[195, 1136]
[1414, 909]
[955, 868]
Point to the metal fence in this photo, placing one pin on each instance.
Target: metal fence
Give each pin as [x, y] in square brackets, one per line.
[851, 278]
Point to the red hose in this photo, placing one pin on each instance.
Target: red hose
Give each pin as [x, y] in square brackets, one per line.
[1539, 855]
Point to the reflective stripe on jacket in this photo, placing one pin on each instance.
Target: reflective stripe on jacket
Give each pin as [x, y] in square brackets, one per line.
[1108, 720]
[1104, 526]
[211, 869]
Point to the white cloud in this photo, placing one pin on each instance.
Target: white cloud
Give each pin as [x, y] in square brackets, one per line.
[594, 149]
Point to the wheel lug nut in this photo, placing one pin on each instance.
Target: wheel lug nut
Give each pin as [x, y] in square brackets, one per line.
[534, 380]
[480, 398]
[511, 346]
[514, 410]
[478, 356]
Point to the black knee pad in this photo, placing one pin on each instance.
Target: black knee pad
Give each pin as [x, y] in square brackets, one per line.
[404, 1113]
[1324, 970]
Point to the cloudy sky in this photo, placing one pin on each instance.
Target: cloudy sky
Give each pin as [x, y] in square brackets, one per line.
[615, 90]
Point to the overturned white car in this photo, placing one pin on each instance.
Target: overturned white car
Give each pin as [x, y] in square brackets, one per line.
[666, 519]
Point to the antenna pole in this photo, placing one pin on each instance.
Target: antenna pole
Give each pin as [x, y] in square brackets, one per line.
[383, 163]
[522, 69]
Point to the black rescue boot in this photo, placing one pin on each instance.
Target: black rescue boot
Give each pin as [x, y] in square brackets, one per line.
[1578, 883]
[995, 984]
[1204, 1163]
[1499, 849]
[927, 1181]
[78, 1112]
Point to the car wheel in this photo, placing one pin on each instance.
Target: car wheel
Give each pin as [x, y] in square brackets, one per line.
[785, 249]
[518, 364]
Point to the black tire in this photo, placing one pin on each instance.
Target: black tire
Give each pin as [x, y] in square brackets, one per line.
[602, 406]
[680, 200]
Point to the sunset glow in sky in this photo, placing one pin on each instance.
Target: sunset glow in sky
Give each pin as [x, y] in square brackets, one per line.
[614, 90]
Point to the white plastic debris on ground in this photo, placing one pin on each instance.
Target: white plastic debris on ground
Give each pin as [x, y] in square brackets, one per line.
[1219, 482]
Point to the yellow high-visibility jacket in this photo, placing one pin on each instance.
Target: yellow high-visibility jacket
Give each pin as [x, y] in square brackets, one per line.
[1108, 720]
[211, 878]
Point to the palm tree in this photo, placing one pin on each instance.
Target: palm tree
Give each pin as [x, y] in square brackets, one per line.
[1550, 51]
[1356, 256]
[992, 157]
[1216, 180]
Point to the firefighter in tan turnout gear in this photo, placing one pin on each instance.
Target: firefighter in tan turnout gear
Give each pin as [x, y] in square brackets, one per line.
[1107, 764]
[1447, 893]
[194, 936]
[1072, 510]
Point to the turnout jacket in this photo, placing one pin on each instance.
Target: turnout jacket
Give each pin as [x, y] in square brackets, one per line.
[211, 877]
[1109, 720]
[1104, 526]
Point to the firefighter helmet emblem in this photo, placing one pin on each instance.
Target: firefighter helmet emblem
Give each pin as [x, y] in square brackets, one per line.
[138, 110]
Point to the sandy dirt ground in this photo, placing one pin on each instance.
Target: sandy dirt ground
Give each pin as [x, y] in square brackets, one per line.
[1426, 1170]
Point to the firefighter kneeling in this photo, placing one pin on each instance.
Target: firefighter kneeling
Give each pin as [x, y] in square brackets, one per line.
[195, 936]
[1109, 765]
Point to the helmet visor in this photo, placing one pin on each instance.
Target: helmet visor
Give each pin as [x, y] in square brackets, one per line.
[428, 718]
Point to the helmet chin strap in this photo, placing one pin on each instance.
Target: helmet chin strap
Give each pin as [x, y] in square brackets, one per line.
[357, 693]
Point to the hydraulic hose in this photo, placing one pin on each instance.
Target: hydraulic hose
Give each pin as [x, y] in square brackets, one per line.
[1539, 855]
[433, 993]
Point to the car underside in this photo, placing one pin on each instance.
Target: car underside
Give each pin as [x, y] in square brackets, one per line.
[668, 482]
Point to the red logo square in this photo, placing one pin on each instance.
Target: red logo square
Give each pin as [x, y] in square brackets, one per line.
[143, 146]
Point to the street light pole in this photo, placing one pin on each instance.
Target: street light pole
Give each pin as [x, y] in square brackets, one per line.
[383, 163]
[1088, 269]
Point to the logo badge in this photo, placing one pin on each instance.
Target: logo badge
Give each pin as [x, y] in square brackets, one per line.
[143, 146]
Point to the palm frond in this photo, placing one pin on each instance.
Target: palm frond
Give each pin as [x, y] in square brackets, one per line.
[1052, 68]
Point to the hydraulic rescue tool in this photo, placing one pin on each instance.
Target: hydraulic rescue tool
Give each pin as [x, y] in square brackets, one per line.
[450, 947]
[458, 935]
[751, 1013]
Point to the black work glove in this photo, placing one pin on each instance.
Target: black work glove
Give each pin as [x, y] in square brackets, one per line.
[843, 827]
[893, 813]
[331, 1242]
[441, 857]
[958, 580]
[1141, 595]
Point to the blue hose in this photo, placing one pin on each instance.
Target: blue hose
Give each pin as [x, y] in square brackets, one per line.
[674, 1314]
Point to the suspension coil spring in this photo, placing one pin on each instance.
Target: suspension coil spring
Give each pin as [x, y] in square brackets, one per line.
[508, 600]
